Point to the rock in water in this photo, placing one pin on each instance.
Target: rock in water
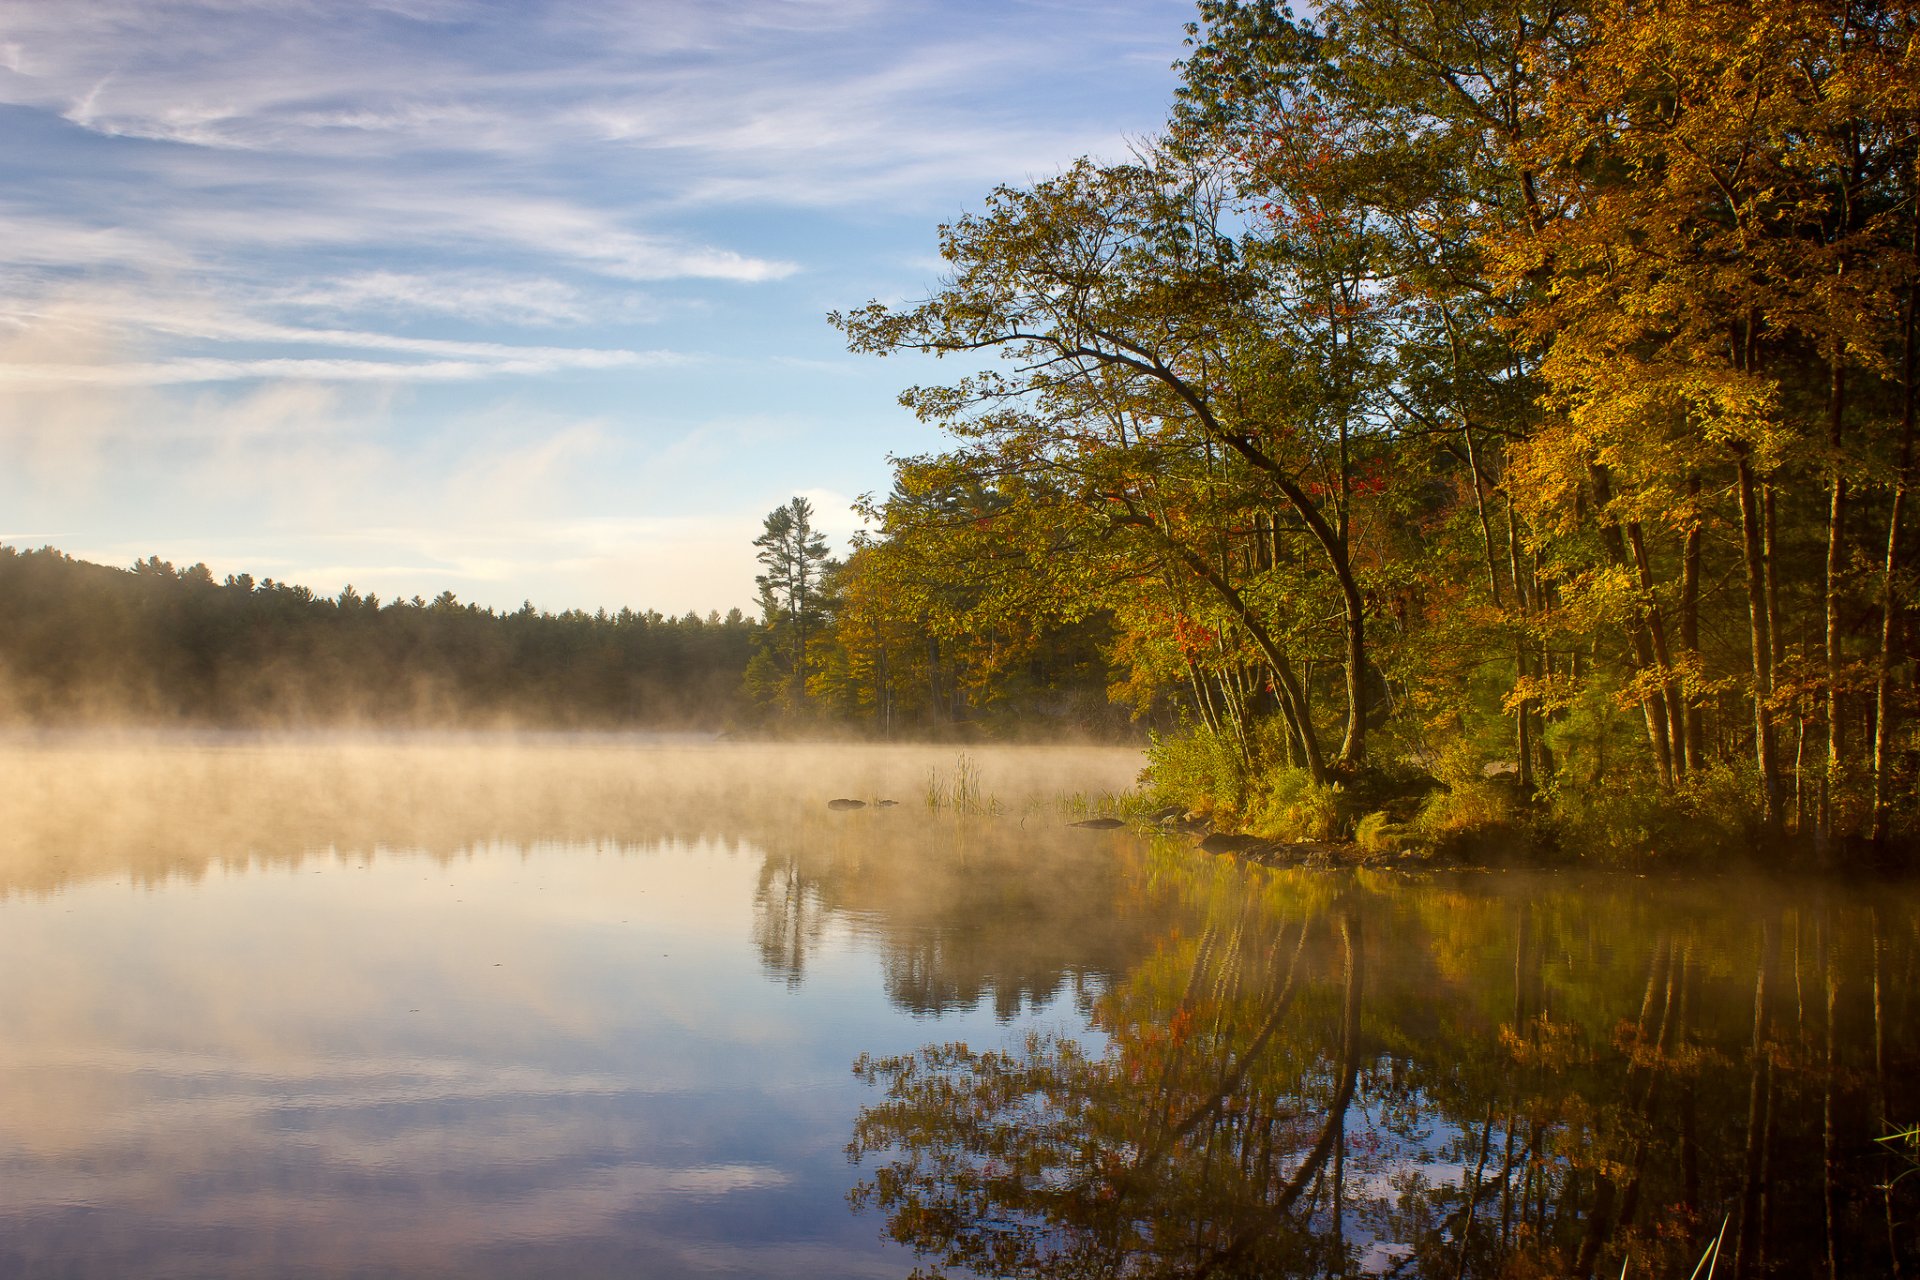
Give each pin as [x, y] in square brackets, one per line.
[1098, 824]
[846, 804]
[1219, 842]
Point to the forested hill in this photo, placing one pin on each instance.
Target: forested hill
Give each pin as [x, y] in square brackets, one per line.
[84, 643]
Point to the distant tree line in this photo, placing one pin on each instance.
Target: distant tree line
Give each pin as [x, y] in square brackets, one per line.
[85, 643]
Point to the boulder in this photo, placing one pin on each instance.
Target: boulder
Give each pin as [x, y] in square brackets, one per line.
[1221, 842]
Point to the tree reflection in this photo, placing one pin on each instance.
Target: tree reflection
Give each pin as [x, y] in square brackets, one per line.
[1336, 1076]
[1183, 1149]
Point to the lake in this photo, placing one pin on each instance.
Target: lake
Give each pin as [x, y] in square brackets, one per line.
[617, 1006]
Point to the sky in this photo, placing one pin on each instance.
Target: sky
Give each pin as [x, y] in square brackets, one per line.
[520, 299]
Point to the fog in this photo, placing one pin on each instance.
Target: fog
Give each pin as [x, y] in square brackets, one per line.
[419, 1002]
[82, 806]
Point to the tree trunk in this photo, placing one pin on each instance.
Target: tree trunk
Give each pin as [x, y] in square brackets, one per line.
[1690, 626]
[1836, 565]
[1758, 625]
[1662, 654]
[1293, 699]
[1748, 1238]
[1652, 703]
[1883, 667]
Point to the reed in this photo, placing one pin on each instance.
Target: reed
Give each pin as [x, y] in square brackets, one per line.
[962, 792]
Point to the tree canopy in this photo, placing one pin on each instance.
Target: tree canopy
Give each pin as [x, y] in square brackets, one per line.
[1448, 381]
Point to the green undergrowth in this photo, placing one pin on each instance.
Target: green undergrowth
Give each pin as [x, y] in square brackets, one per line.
[1460, 804]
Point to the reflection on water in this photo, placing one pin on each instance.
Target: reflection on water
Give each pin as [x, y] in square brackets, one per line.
[1522, 1076]
[480, 1009]
[586, 1007]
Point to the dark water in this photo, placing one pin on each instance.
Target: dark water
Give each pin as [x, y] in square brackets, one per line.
[616, 1009]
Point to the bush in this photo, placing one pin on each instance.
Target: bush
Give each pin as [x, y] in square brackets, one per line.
[1633, 820]
[1197, 769]
[1472, 810]
[1287, 804]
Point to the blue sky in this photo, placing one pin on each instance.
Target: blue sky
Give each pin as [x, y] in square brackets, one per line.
[518, 300]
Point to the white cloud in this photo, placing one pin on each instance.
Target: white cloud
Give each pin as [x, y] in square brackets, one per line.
[99, 335]
[481, 296]
[160, 373]
[268, 268]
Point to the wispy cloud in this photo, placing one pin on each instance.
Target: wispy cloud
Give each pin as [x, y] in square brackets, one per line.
[320, 368]
[92, 337]
[273, 270]
[478, 295]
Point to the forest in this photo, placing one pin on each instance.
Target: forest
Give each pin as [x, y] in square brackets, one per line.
[1516, 395]
[83, 644]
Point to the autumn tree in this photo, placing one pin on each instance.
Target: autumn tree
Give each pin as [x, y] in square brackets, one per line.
[1173, 383]
[1726, 236]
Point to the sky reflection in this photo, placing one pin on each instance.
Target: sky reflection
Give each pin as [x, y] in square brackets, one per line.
[504, 1057]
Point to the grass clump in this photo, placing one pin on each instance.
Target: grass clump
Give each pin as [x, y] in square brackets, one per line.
[961, 792]
[1376, 833]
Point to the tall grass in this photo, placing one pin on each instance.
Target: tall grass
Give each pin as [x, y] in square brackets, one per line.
[961, 792]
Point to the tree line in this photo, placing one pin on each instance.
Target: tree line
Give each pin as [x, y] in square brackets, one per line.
[155, 645]
[1519, 386]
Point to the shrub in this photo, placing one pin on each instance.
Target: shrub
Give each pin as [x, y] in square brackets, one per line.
[1287, 804]
[1634, 820]
[1197, 769]
[1472, 810]
[1376, 834]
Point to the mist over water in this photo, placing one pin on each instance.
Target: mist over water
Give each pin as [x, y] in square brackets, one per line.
[496, 1006]
[587, 1005]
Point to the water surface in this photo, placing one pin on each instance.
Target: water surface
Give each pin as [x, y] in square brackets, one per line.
[603, 1006]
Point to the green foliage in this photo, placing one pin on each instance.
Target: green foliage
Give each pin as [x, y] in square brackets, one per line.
[1197, 769]
[1287, 804]
[1632, 821]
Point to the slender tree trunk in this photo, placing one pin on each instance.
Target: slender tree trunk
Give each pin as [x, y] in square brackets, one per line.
[1831, 779]
[1653, 702]
[1202, 700]
[1758, 620]
[1690, 624]
[1332, 541]
[1884, 1112]
[1291, 694]
[1662, 654]
[1523, 714]
[1902, 478]
[1332, 1130]
[1829, 1118]
[1749, 1235]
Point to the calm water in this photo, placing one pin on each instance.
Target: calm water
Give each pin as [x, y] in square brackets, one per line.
[599, 1007]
